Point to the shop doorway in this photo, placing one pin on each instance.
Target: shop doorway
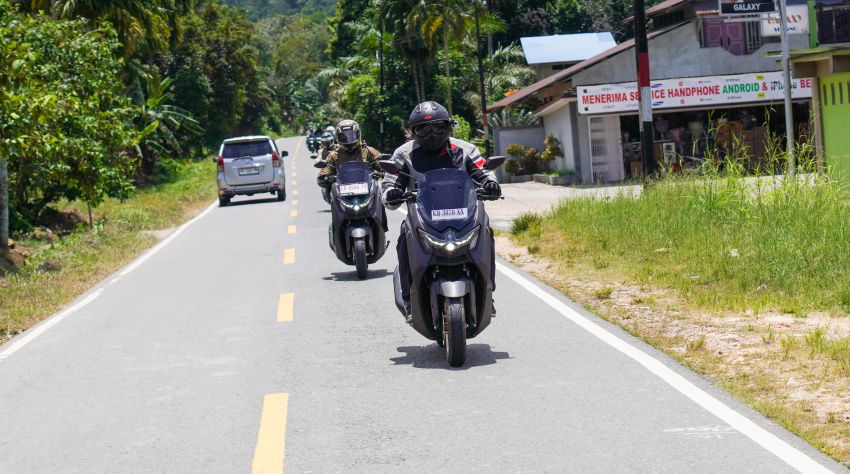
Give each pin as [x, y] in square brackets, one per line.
[606, 154]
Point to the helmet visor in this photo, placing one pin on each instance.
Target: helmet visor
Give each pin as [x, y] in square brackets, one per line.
[348, 136]
[435, 128]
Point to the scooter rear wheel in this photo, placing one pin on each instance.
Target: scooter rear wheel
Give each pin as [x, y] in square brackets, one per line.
[360, 261]
[454, 332]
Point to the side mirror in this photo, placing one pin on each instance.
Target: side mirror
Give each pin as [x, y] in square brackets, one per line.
[215, 159]
[320, 164]
[284, 154]
[494, 162]
[388, 166]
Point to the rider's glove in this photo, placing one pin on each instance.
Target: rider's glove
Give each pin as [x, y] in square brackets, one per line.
[324, 181]
[492, 188]
[394, 195]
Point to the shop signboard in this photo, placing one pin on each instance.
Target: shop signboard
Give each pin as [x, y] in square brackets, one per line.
[746, 7]
[691, 92]
[798, 21]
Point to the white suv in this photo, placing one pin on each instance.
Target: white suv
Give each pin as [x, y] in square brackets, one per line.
[249, 165]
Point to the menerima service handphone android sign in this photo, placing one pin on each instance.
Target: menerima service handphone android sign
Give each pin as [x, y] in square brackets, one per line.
[746, 7]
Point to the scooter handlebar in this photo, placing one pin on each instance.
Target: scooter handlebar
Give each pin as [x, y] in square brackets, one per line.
[482, 196]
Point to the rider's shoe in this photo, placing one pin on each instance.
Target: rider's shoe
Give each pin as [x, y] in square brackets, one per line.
[408, 313]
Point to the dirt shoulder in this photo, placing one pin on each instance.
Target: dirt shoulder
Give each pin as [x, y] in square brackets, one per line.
[777, 363]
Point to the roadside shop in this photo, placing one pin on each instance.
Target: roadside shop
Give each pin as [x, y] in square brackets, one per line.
[714, 84]
[693, 118]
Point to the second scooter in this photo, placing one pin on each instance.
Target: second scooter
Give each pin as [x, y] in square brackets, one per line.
[356, 233]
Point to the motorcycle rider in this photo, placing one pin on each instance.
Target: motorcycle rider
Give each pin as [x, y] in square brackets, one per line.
[350, 147]
[328, 145]
[432, 148]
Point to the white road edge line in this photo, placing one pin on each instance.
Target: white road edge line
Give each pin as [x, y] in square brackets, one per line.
[47, 324]
[769, 441]
[784, 451]
[28, 336]
[156, 248]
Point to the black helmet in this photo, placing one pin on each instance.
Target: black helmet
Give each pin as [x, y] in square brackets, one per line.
[431, 125]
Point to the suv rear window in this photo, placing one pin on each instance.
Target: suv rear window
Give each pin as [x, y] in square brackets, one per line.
[235, 150]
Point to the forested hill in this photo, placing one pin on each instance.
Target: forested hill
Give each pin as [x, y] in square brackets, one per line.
[259, 9]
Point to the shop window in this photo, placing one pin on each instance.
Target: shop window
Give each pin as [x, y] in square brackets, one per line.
[739, 38]
[834, 24]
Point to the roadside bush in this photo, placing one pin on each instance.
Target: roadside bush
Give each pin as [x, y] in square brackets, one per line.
[63, 113]
[523, 161]
[527, 222]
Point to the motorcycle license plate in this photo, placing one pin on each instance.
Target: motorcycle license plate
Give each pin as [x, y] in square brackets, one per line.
[353, 189]
[449, 214]
[249, 171]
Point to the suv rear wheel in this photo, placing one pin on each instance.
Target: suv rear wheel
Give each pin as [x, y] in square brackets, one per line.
[281, 195]
[223, 201]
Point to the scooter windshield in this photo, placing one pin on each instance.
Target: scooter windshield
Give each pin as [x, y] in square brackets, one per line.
[447, 199]
[354, 178]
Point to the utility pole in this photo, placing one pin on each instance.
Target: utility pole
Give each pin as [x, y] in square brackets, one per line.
[647, 140]
[4, 207]
[381, 63]
[484, 119]
[786, 73]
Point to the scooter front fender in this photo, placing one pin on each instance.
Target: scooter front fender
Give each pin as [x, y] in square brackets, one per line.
[454, 289]
[358, 232]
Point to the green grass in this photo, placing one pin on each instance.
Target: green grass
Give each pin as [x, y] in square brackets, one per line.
[81, 259]
[725, 242]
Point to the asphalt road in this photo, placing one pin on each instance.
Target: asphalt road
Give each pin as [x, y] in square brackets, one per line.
[241, 343]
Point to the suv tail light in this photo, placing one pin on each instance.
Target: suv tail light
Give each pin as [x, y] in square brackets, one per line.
[275, 160]
[220, 163]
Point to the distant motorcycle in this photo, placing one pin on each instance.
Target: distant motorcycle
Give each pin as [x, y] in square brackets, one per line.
[313, 144]
[356, 234]
[450, 251]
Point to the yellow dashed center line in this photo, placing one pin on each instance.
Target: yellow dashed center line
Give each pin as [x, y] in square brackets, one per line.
[295, 183]
[295, 202]
[295, 192]
[284, 307]
[293, 213]
[289, 256]
[291, 229]
[271, 438]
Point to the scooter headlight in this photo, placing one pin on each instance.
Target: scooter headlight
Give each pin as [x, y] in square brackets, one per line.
[356, 204]
[452, 244]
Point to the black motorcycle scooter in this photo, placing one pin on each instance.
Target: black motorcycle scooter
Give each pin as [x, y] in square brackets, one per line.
[356, 233]
[451, 258]
[313, 144]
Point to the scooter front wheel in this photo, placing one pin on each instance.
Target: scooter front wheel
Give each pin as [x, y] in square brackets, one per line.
[360, 261]
[454, 331]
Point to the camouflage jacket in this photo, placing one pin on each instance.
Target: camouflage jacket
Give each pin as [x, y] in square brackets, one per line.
[339, 156]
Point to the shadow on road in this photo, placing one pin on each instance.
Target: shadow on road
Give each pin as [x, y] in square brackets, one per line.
[252, 201]
[352, 275]
[434, 357]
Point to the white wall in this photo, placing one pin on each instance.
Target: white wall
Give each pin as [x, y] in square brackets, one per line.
[559, 124]
[677, 53]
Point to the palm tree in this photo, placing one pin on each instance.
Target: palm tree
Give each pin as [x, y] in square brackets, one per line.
[404, 19]
[507, 72]
[449, 17]
[140, 24]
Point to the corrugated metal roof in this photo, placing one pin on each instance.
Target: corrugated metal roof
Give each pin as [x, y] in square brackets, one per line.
[565, 48]
[522, 94]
